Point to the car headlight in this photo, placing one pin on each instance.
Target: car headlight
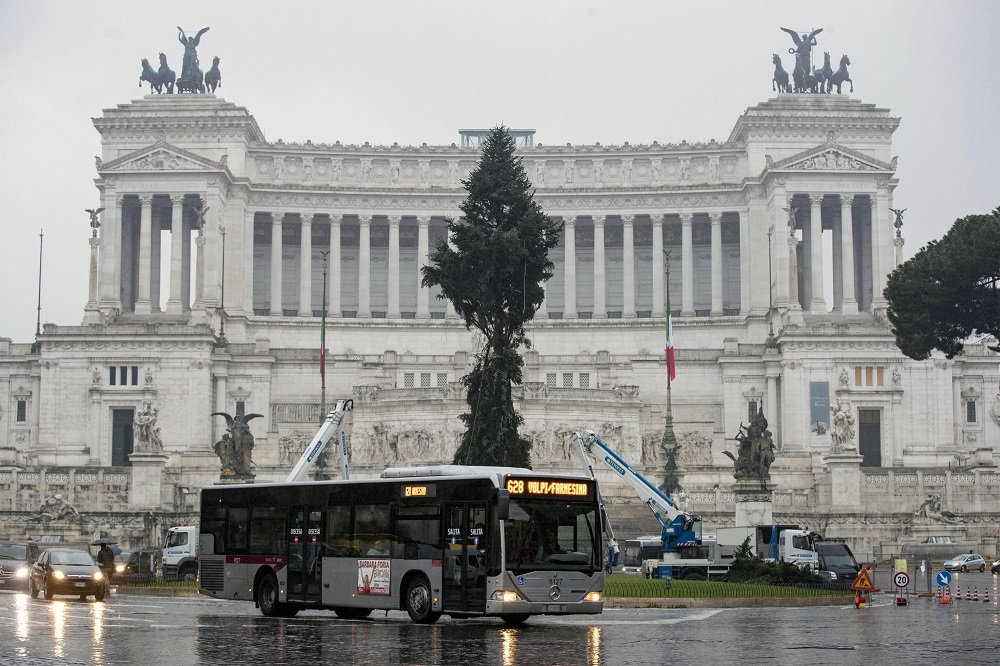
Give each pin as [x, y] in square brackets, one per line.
[21, 573]
[98, 575]
[119, 568]
[58, 575]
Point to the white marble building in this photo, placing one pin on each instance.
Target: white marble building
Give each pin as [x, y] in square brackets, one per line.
[779, 241]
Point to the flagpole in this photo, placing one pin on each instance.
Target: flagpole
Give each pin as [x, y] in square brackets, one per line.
[322, 347]
[669, 443]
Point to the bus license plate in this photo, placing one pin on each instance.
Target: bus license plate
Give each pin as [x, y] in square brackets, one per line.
[80, 584]
[554, 608]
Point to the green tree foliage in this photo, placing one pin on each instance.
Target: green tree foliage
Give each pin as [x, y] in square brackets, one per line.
[949, 290]
[494, 277]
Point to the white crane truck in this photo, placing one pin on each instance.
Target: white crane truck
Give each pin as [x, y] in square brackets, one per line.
[683, 555]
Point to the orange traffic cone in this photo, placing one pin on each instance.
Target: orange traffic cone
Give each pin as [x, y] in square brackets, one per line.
[946, 599]
[975, 594]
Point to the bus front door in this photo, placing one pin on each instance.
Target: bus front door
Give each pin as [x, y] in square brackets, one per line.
[305, 534]
[465, 537]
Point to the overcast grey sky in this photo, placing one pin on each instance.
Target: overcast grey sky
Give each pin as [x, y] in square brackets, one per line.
[413, 72]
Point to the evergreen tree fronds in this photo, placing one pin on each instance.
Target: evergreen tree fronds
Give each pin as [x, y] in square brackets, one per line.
[492, 272]
[949, 290]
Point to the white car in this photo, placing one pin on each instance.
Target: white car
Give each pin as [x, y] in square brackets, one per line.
[966, 562]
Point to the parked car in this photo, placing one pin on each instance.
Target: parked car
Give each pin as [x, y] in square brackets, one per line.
[135, 565]
[66, 571]
[16, 558]
[966, 562]
[996, 566]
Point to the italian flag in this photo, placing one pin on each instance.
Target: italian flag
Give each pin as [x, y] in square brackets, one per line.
[671, 367]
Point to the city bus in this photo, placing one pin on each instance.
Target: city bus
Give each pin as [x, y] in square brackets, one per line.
[455, 540]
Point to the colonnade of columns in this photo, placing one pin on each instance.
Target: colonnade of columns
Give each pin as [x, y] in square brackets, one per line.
[857, 273]
[570, 309]
[686, 260]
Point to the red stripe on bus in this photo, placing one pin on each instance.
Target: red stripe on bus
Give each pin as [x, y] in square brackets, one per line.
[278, 563]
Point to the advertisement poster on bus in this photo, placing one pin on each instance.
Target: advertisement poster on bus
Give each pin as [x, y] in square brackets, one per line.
[373, 577]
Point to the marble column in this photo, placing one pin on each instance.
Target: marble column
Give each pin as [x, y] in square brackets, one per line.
[780, 249]
[569, 228]
[658, 268]
[199, 275]
[746, 276]
[333, 293]
[600, 272]
[143, 304]
[174, 305]
[365, 268]
[109, 281]
[628, 269]
[817, 302]
[393, 268]
[423, 259]
[717, 272]
[305, 267]
[848, 302]
[881, 248]
[687, 267]
[92, 310]
[276, 241]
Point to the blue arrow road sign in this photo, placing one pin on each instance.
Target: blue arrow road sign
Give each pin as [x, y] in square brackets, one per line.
[944, 578]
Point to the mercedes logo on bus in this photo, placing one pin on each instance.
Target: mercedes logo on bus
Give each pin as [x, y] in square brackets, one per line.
[554, 593]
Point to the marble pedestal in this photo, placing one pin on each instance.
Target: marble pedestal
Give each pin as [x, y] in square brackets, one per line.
[845, 480]
[147, 479]
[754, 503]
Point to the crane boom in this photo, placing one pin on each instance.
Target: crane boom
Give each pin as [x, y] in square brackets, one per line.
[330, 427]
[613, 548]
[679, 528]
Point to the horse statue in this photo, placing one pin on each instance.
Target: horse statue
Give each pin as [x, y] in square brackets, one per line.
[213, 77]
[149, 75]
[842, 75]
[780, 80]
[166, 75]
[826, 73]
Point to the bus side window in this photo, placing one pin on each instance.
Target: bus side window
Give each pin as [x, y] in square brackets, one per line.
[338, 533]
[239, 518]
[372, 527]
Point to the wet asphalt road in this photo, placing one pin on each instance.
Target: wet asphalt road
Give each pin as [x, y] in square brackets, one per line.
[133, 629]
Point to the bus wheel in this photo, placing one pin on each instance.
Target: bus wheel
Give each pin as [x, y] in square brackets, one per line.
[267, 596]
[418, 601]
[352, 613]
[514, 619]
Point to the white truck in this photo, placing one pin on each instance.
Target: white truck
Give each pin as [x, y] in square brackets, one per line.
[180, 553]
[180, 549]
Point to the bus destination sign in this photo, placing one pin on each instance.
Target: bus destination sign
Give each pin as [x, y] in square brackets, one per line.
[419, 491]
[529, 486]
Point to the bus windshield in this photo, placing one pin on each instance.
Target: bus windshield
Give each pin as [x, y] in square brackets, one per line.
[546, 534]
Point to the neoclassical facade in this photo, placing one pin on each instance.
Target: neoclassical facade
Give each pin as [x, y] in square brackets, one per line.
[218, 249]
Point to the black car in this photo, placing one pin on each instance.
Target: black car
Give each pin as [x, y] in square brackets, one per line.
[67, 572]
[16, 558]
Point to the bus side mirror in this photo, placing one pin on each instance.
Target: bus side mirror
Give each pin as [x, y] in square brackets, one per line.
[503, 504]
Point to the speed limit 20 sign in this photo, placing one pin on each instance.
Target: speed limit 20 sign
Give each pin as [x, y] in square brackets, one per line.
[902, 579]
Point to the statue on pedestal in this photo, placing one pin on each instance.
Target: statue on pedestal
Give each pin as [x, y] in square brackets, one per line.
[755, 453]
[842, 428]
[235, 447]
[147, 435]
